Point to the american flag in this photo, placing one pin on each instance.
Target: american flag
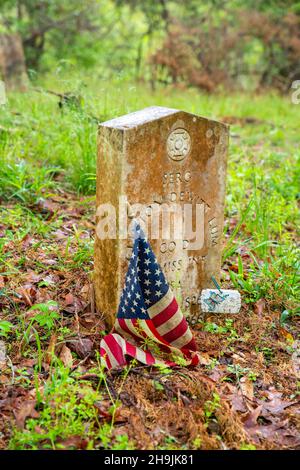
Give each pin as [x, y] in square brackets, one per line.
[150, 326]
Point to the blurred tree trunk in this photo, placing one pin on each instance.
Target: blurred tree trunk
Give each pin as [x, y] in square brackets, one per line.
[34, 48]
[12, 62]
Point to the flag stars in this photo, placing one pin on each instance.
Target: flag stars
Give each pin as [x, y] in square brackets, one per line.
[145, 283]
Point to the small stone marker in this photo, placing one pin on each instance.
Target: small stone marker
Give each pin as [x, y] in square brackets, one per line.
[220, 301]
[160, 158]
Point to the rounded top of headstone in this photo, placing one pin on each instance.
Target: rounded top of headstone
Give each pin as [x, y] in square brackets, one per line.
[147, 115]
[138, 118]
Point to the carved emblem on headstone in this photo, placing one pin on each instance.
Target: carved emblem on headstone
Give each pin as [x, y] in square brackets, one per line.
[178, 144]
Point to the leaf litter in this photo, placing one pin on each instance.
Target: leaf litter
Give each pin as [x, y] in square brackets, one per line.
[244, 393]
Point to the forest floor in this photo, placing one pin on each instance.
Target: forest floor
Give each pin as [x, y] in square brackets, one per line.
[245, 393]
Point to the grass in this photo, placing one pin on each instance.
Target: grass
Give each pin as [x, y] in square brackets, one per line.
[49, 154]
[50, 147]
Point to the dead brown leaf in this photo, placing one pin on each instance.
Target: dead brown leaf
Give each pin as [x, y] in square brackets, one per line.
[51, 349]
[296, 359]
[81, 346]
[27, 410]
[247, 388]
[259, 307]
[27, 294]
[66, 356]
[69, 299]
[285, 334]
[27, 241]
[47, 207]
[250, 420]
[275, 404]
[72, 442]
[204, 359]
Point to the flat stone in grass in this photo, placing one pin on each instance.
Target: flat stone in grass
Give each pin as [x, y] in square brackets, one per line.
[220, 301]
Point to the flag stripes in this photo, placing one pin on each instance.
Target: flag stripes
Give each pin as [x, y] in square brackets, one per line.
[148, 315]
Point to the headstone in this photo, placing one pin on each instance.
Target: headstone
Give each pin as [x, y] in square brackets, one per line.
[160, 158]
[12, 62]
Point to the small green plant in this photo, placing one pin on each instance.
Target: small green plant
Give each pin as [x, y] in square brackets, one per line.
[197, 443]
[213, 363]
[218, 329]
[163, 369]
[238, 372]
[5, 328]
[122, 442]
[268, 353]
[211, 406]
[47, 316]
[214, 328]
[252, 376]
[246, 446]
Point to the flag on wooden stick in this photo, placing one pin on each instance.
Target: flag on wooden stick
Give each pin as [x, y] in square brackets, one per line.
[150, 326]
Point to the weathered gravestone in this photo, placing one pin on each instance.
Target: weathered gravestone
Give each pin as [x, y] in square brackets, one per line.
[160, 158]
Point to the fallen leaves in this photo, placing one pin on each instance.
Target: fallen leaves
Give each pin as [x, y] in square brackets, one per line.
[247, 389]
[285, 334]
[50, 353]
[295, 360]
[81, 346]
[66, 356]
[69, 299]
[73, 304]
[47, 207]
[26, 295]
[27, 410]
[259, 307]
[250, 420]
[274, 404]
[2, 282]
[256, 402]
[72, 442]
